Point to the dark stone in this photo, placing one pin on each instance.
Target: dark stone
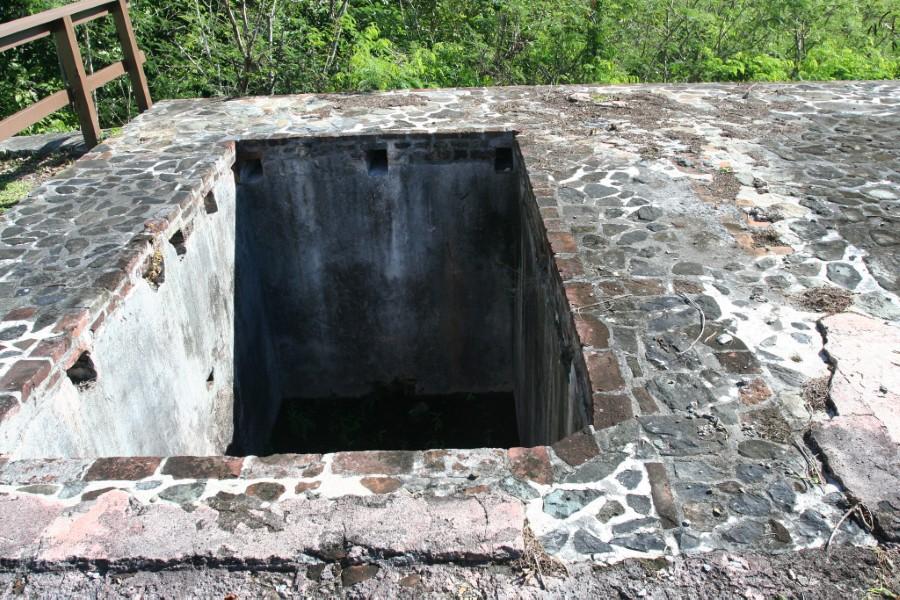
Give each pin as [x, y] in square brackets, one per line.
[632, 237]
[680, 436]
[833, 250]
[750, 473]
[762, 450]
[782, 494]
[641, 542]
[554, 541]
[183, 493]
[239, 509]
[640, 504]
[596, 469]
[561, 504]
[843, 274]
[596, 190]
[518, 488]
[649, 213]
[687, 268]
[749, 504]
[743, 363]
[12, 333]
[679, 391]
[610, 510]
[634, 525]
[630, 478]
[745, 533]
[354, 574]
[585, 543]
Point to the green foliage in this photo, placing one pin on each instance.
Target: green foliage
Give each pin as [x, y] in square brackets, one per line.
[244, 47]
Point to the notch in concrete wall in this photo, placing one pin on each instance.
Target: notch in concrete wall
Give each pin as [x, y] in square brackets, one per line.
[248, 170]
[377, 161]
[503, 160]
[209, 203]
[211, 379]
[82, 373]
[179, 242]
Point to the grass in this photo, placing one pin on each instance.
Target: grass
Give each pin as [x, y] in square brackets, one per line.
[19, 176]
[12, 192]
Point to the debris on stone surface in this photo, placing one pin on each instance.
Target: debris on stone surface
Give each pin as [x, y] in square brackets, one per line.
[825, 299]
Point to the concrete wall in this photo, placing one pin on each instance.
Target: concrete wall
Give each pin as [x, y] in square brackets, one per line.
[435, 269]
[319, 274]
[405, 272]
[153, 357]
[553, 393]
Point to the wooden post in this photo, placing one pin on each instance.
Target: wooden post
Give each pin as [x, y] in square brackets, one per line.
[73, 67]
[130, 53]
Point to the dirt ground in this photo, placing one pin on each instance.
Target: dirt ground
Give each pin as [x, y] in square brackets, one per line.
[844, 573]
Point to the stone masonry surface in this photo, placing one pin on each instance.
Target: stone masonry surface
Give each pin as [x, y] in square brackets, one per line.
[688, 224]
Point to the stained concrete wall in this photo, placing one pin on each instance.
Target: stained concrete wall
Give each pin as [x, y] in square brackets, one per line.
[319, 274]
[153, 357]
[431, 269]
[363, 273]
[553, 395]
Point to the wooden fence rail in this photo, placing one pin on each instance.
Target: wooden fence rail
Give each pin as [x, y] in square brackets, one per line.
[60, 23]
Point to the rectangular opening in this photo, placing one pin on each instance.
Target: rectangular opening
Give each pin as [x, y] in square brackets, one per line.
[416, 309]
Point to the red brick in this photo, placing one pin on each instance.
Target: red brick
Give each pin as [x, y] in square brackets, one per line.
[24, 376]
[98, 322]
[267, 491]
[645, 401]
[381, 485]
[126, 468]
[661, 493]
[738, 362]
[611, 409]
[156, 225]
[645, 287]
[306, 486]
[577, 448]
[569, 268]
[531, 463]
[755, 392]
[282, 466]
[375, 462]
[203, 467]
[580, 295]
[53, 348]
[562, 242]
[682, 286]
[591, 331]
[603, 371]
[20, 314]
[8, 406]
[24, 344]
[549, 212]
[74, 322]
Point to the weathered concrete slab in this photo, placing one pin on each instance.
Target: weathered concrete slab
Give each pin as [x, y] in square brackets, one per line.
[22, 146]
[861, 454]
[119, 529]
[865, 353]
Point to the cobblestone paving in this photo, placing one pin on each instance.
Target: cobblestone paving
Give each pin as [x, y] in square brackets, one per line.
[687, 222]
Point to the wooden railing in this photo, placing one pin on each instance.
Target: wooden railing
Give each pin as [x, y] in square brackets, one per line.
[60, 23]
